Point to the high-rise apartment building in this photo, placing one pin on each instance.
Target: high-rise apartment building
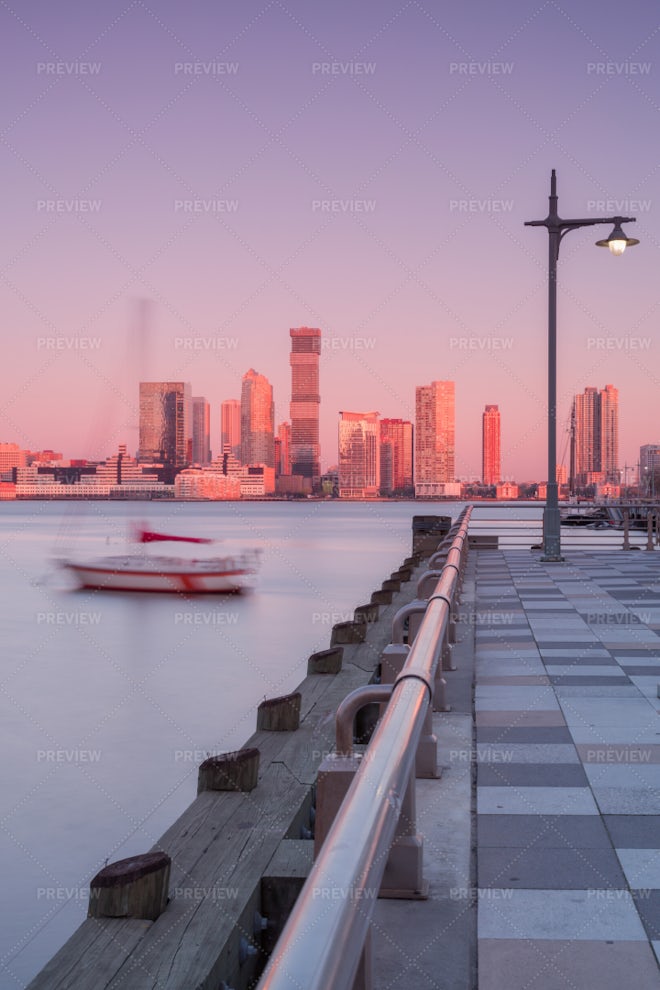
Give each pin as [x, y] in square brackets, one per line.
[396, 455]
[201, 430]
[257, 420]
[165, 423]
[434, 438]
[359, 461]
[649, 469]
[305, 401]
[595, 437]
[284, 461]
[230, 427]
[491, 460]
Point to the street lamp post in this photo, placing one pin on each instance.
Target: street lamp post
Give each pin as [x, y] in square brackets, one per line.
[617, 243]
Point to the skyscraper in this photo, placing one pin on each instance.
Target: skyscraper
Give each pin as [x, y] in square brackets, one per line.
[434, 437]
[165, 423]
[284, 437]
[305, 401]
[201, 430]
[359, 467]
[595, 437]
[491, 463]
[257, 420]
[230, 427]
[396, 455]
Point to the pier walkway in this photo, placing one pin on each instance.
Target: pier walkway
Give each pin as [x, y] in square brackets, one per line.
[567, 761]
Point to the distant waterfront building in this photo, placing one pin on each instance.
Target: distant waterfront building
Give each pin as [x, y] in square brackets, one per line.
[165, 423]
[122, 469]
[204, 483]
[11, 456]
[305, 402]
[491, 458]
[201, 430]
[595, 437]
[434, 438]
[649, 468]
[359, 456]
[506, 490]
[396, 456]
[230, 427]
[257, 420]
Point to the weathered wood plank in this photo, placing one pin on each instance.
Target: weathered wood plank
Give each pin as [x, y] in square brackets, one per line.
[93, 954]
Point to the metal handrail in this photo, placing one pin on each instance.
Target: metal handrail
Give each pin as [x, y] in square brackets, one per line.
[323, 939]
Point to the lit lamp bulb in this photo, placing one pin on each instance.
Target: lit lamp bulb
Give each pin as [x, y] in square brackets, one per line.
[617, 242]
[616, 247]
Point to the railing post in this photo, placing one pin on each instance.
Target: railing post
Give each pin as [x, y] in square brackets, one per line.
[649, 530]
[403, 871]
[392, 661]
[626, 530]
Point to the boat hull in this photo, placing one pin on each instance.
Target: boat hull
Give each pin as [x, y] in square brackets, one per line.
[204, 578]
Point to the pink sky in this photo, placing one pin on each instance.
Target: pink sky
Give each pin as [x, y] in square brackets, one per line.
[367, 172]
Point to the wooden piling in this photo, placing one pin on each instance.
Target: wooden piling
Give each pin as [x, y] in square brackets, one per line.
[131, 888]
[279, 714]
[326, 661]
[237, 771]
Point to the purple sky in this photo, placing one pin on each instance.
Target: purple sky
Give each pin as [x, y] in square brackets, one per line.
[256, 167]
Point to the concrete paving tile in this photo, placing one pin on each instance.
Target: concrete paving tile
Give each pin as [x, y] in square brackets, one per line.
[641, 866]
[579, 915]
[624, 775]
[589, 669]
[633, 831]
[615, 755]
[514, 680]
[524, 734]
[526, 753]
[603, 711]
[509, 701]
[520, 718]
[648, 905]
[538, 868]
[535, 801]
[604, 691]
[647, 685]
[627, 800]
[558, 964]
[614, 734]
[656, 949]
[542, 831]
[531, 775]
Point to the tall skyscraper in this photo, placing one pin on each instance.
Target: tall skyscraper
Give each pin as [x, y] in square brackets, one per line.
[491, 462]
[257, 420]
[359, 462]
[434, 437]
[165, 423]
[201, 430]
[595, 437]
[230, 427]
[396, 455]
[284, 437]
[305, 401]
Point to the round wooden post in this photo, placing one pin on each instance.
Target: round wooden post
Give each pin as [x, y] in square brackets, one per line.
[237, 771]
[131, 888]
[279, 714]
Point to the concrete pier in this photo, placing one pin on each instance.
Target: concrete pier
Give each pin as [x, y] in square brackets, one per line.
[542, 835]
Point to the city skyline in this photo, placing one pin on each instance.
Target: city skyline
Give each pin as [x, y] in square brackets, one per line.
[410, 252]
